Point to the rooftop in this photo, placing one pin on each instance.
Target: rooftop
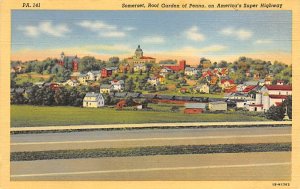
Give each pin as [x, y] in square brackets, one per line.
[279, 87]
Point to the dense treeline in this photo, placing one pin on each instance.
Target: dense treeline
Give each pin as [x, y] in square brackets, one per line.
[62, 96]
[51, 66]
[262, 68]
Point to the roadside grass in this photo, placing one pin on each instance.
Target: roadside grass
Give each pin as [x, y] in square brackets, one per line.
[150, 151]
[26, 115]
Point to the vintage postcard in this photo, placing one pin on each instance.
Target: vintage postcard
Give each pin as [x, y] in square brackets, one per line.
[129, 94]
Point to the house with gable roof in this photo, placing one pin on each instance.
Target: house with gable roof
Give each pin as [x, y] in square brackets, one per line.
[93, 100]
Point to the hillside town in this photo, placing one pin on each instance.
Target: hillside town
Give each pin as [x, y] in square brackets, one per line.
[139, 80]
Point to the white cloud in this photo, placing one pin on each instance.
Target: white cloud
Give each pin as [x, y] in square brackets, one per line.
[153, 40]
[96, 25]
[103, 29]
[263, 41]
[30, 31]
[241, 34]
[228, 31]
[45, 28]
[194, 34]
[129, 28]
[244, 34]
[113, 34]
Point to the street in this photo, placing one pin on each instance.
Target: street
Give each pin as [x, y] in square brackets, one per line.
[216, 166]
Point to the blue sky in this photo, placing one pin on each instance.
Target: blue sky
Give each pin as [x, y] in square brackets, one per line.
[181, 33]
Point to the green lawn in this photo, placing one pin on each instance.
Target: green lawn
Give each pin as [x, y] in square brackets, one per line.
[24, 115]
[31, 77]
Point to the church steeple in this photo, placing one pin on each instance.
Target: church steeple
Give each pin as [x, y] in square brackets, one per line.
[62, 56]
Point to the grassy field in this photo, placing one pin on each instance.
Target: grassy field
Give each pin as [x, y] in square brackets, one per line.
[31, 77]
[24, 115]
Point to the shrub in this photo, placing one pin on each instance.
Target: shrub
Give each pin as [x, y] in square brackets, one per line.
[275, 113]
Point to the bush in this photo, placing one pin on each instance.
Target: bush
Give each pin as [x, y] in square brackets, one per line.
[174, 109]
[275, 113]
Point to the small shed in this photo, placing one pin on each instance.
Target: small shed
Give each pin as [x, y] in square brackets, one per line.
[217, 106]
[121, 104]
[194, 108]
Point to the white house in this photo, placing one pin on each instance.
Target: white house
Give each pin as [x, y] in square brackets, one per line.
[154, 81]
[191, 71]
[224, 84]
[105, 88]
[202, 88]
[93, 100]
[165, 71]
[72, 83]
[83, 78]
[240, 87]
[238, 96]
[117, 85]
[138, 67]
[94, 75]
[244, 104]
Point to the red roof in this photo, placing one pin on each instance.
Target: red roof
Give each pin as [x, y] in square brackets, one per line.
[249, 88]
[207, 73]
[230, 81]
[278, 103]
[174, 68]
[278, 96]
[279, 87]
[231, 90]
[146, 57]
[143, 57]
[224, 70]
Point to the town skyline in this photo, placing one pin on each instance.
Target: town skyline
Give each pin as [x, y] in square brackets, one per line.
[222, 35]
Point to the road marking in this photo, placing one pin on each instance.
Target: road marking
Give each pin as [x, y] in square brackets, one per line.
[147, 125]
[149, 139]
[152, 169]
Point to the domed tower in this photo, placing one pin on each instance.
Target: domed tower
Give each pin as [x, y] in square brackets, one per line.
[138, 52]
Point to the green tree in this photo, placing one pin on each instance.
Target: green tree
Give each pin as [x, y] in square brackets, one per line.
[275, 113]
[129, 86]
[61, 97]
[129, 101]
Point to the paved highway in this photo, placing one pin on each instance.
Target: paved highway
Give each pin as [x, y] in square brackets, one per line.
[148, 137]
[230, 167]
[219, 166]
